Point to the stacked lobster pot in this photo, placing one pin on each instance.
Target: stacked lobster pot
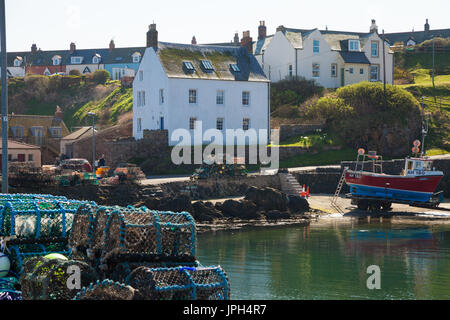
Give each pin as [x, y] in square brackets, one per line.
[147, 254]
[35, 225]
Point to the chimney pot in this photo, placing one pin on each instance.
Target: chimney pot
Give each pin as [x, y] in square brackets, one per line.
[262, 30]
[33, 48]
[427, 26]
[73, 47]
[194, 40]
[247, 41]
[112, 45]
[236, 39]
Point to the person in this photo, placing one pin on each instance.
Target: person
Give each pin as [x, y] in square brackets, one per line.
[102, 162]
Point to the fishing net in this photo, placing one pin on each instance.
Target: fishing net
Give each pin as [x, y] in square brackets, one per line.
[181, 283]
[54, 279]
[106, 290]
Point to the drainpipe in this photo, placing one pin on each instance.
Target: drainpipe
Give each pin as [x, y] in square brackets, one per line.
[296, 63]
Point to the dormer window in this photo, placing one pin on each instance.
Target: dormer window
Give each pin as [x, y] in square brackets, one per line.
[353, 45]
[18, 62]
[56, 60]
[136, 57]
[207, 65]
[76, 60]
[96, 59]
[235, 68]
[188, 66]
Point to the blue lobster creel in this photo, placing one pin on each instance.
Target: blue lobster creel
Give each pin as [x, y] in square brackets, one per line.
[149, 234]
[27, 218]
[181, 283]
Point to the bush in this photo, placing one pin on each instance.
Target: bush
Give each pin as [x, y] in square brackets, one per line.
[75, 72]
[293, 92]
[363, 116]
[101, 76]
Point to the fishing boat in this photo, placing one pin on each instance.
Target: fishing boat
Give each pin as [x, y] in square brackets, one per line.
[416, 184]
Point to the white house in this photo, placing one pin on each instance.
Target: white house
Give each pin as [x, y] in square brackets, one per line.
[331, 58]
[178, 85]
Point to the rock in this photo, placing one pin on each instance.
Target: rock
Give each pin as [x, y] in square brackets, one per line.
[297, 204]
[179, 203]
[267, 198]
[277, 215]
[205, 211]
[245, 209]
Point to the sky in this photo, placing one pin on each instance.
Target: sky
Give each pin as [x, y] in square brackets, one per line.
[54, 24]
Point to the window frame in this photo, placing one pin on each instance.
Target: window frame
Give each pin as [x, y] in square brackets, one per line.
[161, 96]
[245, 92]
[350, 41]
[245, 122]
[334, 67]
[193, 97]
[73, 60]
[377, 43]
[220, 121]
[316, 46]
[317, 71]
[192, 121]
[222, 97]
[30, 157]
[371, 73]
[139, 124]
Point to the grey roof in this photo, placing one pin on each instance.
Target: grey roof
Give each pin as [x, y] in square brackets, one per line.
[173, 55]
[44, 58]
[79, 134]
[354, 57]
[417, 36]
[123, 55]
[261, 45]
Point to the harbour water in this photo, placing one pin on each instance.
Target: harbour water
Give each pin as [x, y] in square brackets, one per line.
[330, 260]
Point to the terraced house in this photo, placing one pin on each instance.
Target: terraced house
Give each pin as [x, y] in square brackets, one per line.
[331, 58]
[179, 85]
[119, 62]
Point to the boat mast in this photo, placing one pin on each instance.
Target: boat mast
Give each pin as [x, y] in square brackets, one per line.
[424, 129]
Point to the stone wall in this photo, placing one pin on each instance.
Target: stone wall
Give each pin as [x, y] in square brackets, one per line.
[118, 146]
[293, 130]
[221, 188]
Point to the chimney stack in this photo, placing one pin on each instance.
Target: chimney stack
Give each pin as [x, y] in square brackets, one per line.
[427, 26]
[73, 47]
[152, 36]
[247, 41]
[282, 29]
[112, 45]
[33, 48]
[262, 30]
[193, 41]
[58, 114]
[373, 27]
[236, 39]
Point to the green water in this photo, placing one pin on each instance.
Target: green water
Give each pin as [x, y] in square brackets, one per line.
[330, 261]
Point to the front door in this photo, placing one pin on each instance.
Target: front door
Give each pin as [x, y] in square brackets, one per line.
[342, 77]
[161, 123]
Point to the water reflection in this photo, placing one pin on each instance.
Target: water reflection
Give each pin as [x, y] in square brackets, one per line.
[330, 261]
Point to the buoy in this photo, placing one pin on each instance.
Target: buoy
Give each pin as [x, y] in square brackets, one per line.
[56, 256]
[5, 265]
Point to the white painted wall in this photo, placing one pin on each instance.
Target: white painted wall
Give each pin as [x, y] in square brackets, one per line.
[279, 54]
[275, 61]
[177, 111]
[389, 58]
[325, 57]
